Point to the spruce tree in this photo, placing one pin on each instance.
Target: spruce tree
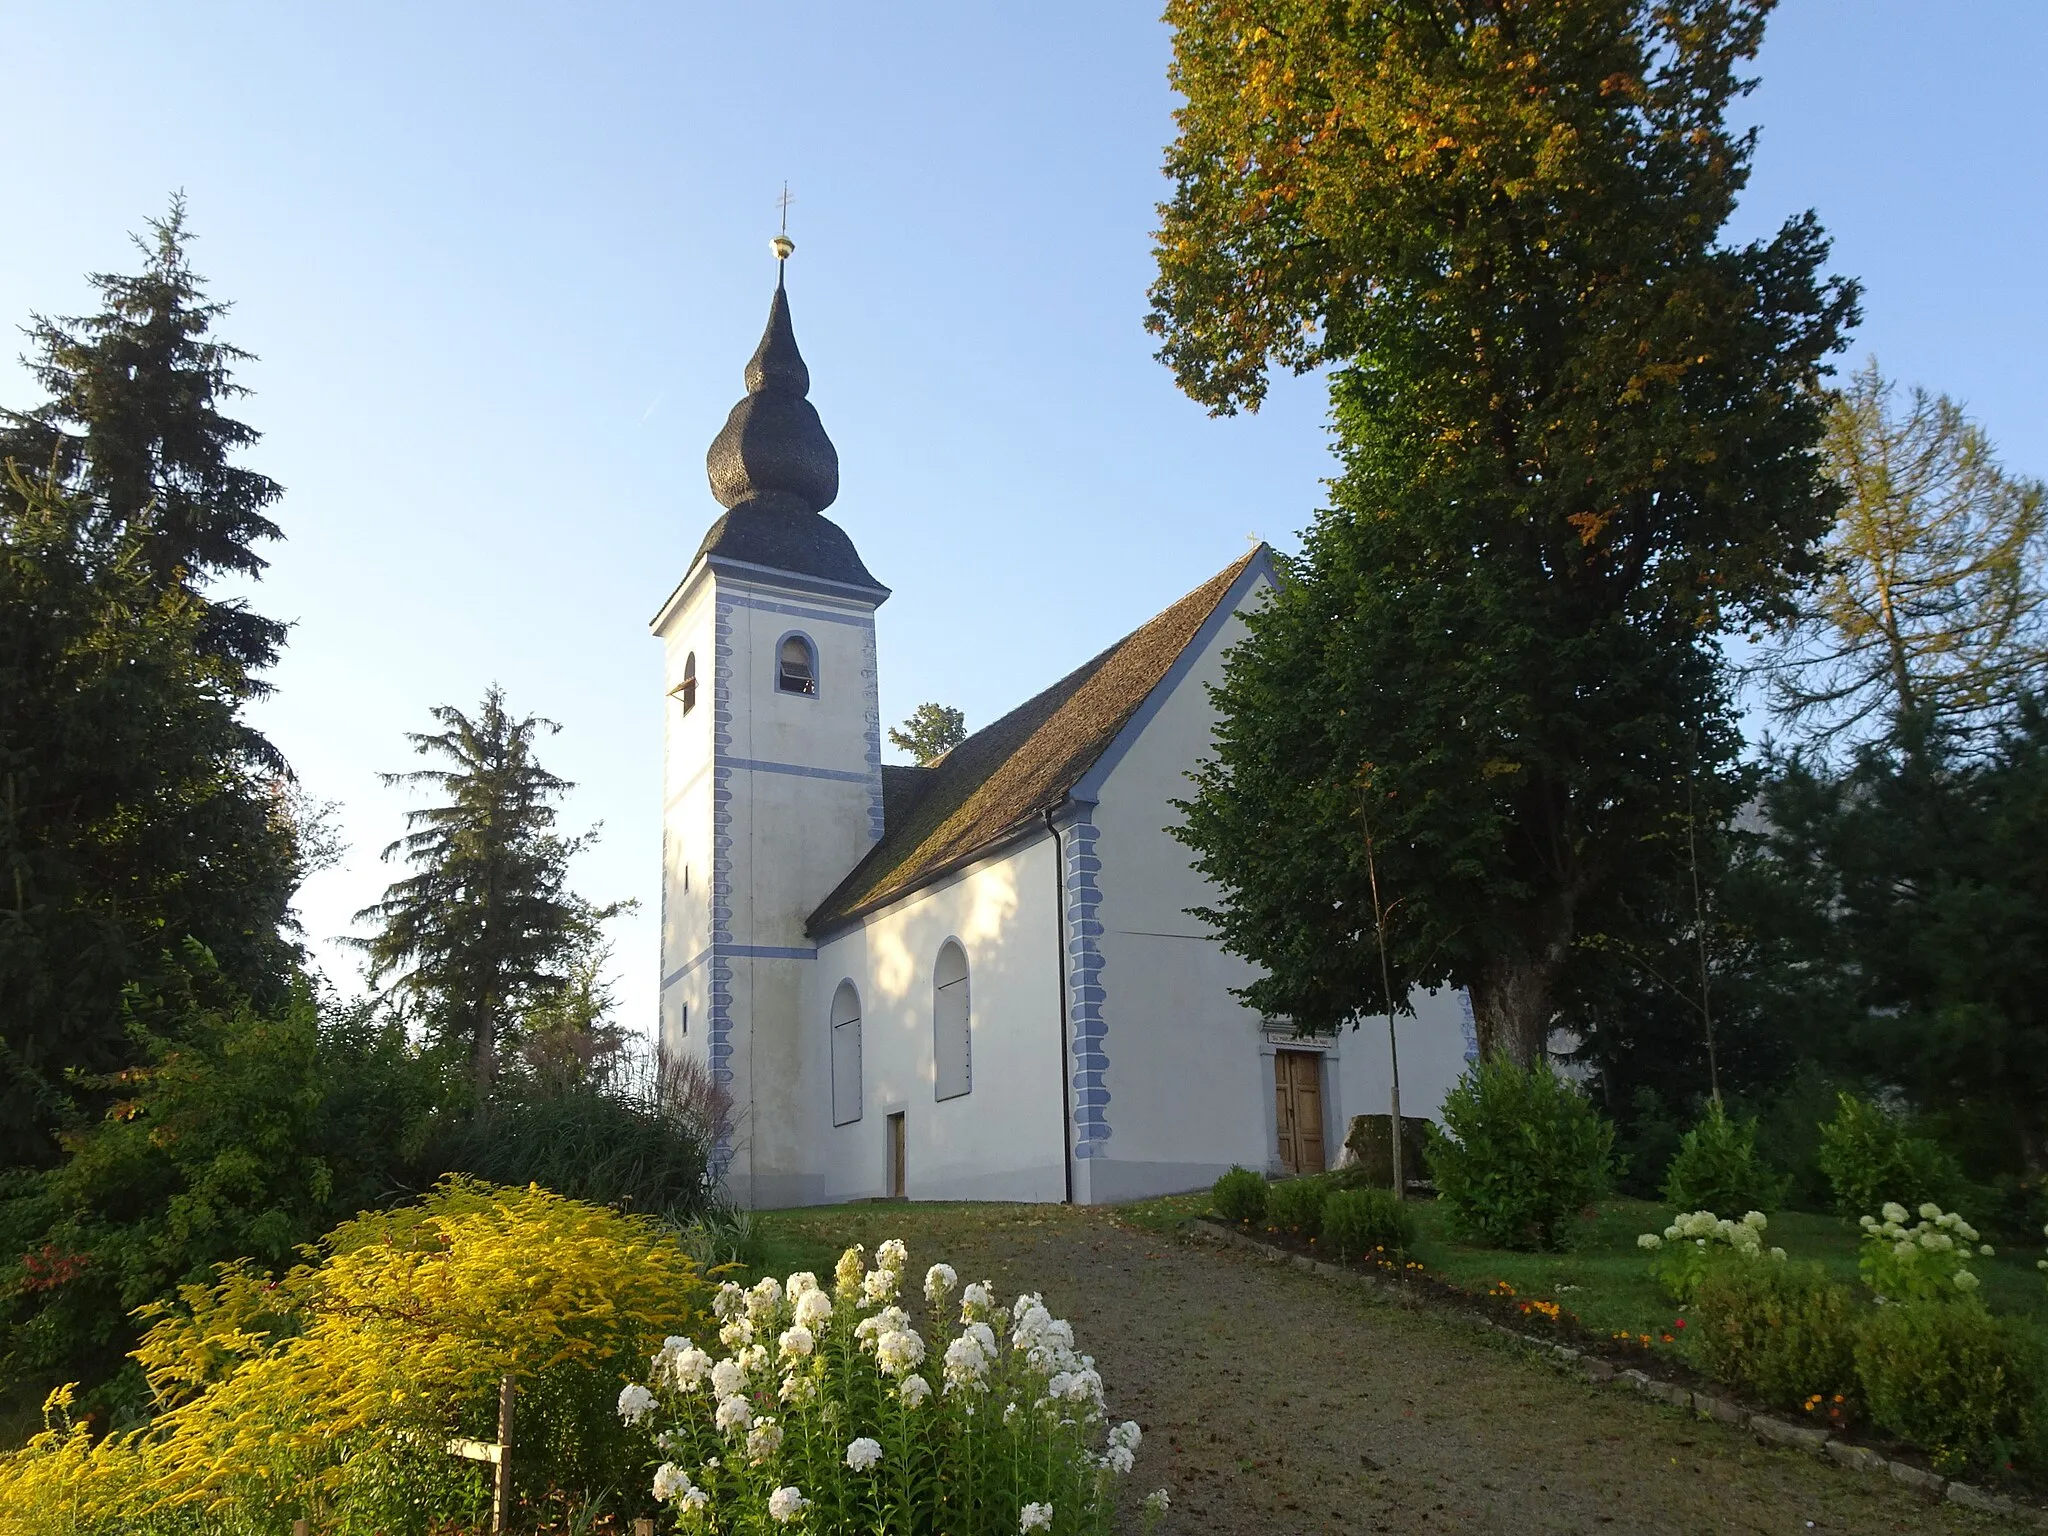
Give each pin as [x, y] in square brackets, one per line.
[485, 929]
[1578, 437]
[134, 424]
[133, 816]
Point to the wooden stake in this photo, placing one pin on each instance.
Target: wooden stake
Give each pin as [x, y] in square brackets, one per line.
[501, 1492]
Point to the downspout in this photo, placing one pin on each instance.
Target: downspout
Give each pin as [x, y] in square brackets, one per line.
[1059, 939]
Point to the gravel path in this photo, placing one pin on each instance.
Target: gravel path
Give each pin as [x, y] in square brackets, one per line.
[1277, 1402]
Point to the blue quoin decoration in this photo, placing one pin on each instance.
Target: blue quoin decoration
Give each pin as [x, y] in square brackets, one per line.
[1086, 994]
[718, 1012]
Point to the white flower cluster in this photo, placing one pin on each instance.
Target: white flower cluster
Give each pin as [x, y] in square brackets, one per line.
[1705, 1231]
[1047, 1345]
[672, 1485]
[1123, 1447]
[753, 1428]
[635, 1403]
[2042, 1263]
[1929, 1256]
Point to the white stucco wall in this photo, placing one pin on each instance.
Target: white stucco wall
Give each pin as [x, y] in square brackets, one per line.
[1191, 1074]
[1002, 1140]
[775, 797]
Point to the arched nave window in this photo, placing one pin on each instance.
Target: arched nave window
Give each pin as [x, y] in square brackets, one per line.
[845, 1054]
[951, 1035]
[687, 690]
[796, 665]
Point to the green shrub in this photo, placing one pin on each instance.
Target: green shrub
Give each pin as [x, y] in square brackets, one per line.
[1781, 1332]
[1717, 1168]
[1961, 1384]
[1928, 1261]
[1869, 1159]
[1356, 1221]
[724, 1234]
[1240, 1195]
[617, 1143]
[1296, 1205]
[1521, 1155]
[1700, 1241]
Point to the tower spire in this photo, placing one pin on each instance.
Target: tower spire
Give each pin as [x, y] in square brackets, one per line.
[772, 466]
[773, 452]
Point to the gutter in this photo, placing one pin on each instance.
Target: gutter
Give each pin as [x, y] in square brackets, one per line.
[1059, 937]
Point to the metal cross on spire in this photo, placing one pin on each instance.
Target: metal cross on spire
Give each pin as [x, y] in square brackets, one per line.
[782, 243]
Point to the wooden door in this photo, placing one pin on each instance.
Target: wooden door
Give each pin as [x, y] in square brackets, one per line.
[896, 1182]
[1298, 1087]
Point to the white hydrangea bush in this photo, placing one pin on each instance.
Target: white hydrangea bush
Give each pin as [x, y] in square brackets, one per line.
[1927, 1261]
[827, 1411]
[1699, 1239]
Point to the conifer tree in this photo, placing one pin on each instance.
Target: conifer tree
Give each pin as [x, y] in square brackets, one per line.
[132, 816]
[1577, 434]
[485, 928]
[1931, 619]
[134, 424]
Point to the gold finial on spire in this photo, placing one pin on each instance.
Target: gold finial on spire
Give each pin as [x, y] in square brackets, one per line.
[784, 246]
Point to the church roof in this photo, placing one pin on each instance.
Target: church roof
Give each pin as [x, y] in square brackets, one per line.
[1002, 780]
[775, 471]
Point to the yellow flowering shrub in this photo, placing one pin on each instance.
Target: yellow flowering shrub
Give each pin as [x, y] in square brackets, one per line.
[330, 1393]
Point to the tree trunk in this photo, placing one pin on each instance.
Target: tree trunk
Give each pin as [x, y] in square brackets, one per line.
[1511, 1005]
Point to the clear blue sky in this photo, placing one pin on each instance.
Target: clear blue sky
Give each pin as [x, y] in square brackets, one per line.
[503, 264]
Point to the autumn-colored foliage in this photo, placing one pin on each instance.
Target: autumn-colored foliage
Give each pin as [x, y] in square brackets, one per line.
[331, 1392]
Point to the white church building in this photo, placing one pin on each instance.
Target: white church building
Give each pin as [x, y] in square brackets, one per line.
[978, 979]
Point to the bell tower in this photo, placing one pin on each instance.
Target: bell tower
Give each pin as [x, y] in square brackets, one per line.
[773, 756]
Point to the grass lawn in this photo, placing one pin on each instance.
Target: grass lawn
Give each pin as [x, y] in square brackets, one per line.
[1606, 1279]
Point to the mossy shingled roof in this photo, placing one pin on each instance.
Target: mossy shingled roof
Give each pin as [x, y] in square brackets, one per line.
[1001, 781]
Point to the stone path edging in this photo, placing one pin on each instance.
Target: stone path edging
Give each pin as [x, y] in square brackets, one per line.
[1768, 1427]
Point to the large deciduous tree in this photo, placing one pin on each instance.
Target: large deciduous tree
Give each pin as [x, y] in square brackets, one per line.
[1578, 436]
[1930, 621]
[485, 929]
[930, 733]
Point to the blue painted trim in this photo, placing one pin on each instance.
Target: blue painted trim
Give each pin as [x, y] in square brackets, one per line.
[681, 971]
[1089, 787]
[718, 1003]
[766, 952]
[1470, 1024]
[1088, 1027]
[871, 697]
[755, 765]
[864, 619]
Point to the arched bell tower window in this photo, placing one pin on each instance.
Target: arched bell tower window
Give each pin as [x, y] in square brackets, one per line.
[686, 690]
[845, 1054]
[796, 666]
[951, 1036]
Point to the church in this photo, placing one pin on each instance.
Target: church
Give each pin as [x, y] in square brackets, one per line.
[979, 979]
